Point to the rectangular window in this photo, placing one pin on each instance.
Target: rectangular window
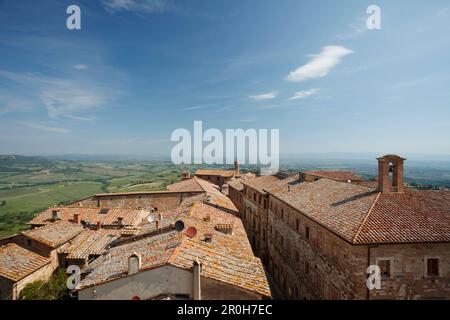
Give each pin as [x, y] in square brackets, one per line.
[385, 268]
[433, 267]
[297, 225]
[306, 267]
[307, 235]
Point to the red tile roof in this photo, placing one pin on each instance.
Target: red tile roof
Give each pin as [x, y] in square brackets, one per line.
[214, 172]
[89, 242]
[362, 215]
[413, 216]
[339, 175]
[93, 215]
[54, 234]
[17, 262]
[186, 185]
[227, 258]
[212, 194]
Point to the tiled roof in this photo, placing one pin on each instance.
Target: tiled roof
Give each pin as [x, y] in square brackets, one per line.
[236, 183]
[213, 172]
[89, 242]
[215, 197]
[17, 262]
[54, 234]
[226, 258]
[362, 215]
[263, 182]
[413, 216]
[186, 185]
[338, 206]
[339, 175]
[272, 182]
[212, 194]
[93, 215]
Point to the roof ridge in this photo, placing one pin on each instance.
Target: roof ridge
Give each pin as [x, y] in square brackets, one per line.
[365, 218]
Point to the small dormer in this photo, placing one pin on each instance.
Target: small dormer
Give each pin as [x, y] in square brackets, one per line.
[390, 173]
[134, 263]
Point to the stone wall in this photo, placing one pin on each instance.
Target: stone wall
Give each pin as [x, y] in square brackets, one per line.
[254, 215]
[409, 278]
[158, 201]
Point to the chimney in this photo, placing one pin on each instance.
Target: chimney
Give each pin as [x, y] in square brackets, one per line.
[120, 221]
[236, 167]
[226, 228]
[186, 175]
[55, 214]
[77, 218]
[197, 270]
[208, 237]
[134, 263]
[99, 225]
[387, 164]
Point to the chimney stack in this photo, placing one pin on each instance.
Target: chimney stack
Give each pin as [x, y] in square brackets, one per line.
[387, 164]
[197, 270]
[55, 214]
[236, 167]
[77, 218]
[120, 221]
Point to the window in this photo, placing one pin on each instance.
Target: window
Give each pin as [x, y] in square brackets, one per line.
[433, 267]
[282, 214]
[306, 267]
[307, 235]
[297, 257]
[385, 268]
[297, 225]
[254, 196]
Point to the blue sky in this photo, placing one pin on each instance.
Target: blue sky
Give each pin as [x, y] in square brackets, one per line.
[137, 70]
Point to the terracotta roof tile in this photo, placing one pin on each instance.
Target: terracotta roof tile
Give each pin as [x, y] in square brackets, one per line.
[215, 172]
[339, 175]
[339, 206]
[89, 242]
[17, 262]
[93, 215]
[226, 258]
[413, 216]
[54, 234]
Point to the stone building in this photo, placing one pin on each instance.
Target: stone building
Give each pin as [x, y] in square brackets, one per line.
[323, 234]
[217, 176]
[210, 258]
[18, 267]
[255, 207]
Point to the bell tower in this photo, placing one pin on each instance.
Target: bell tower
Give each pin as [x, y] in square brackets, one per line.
[387, 165]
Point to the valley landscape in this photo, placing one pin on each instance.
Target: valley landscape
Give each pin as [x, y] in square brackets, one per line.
[29, 184]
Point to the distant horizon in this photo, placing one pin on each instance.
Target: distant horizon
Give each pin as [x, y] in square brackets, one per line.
[283, 158]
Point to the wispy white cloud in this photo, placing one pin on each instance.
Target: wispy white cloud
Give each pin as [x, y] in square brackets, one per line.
[198, 107]
[62, 97]
[357, 29]
[45, 127]
[320, 65]
[14, 105]
[303, 94]
[80, 67]
[147, 6]
[264, 96]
